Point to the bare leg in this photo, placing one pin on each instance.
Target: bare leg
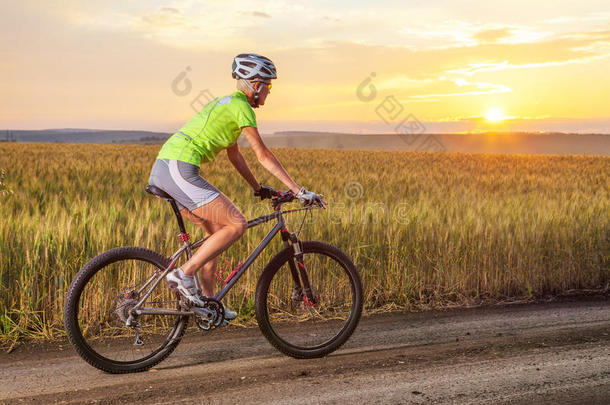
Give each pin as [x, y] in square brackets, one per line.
[224, 224]
[208, 278]
[209, 268]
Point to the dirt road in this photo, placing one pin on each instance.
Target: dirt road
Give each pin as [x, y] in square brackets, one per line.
[542, 353]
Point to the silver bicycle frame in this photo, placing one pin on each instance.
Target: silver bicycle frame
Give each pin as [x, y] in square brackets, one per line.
[188, 247]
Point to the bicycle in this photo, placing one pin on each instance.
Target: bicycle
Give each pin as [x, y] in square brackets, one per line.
[121, 319]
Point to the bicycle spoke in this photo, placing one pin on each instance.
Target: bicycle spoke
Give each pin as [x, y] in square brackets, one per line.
[319, 323]
[105, 304]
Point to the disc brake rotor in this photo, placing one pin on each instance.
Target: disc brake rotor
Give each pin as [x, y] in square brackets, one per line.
[124, 307]
[125, 302]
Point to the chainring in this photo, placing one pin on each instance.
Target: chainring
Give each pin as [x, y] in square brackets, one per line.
[218, 315]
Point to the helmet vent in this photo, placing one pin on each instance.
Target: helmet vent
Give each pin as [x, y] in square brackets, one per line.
[250, 66]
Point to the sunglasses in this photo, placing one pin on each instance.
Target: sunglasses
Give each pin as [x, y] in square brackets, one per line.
[268, 85]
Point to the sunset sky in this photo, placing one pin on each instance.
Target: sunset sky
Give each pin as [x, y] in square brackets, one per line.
[452, 65]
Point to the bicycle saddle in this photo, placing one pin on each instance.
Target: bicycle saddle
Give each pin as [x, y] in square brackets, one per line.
[156, 191]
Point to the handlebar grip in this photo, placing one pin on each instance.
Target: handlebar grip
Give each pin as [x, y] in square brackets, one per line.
[265, 192]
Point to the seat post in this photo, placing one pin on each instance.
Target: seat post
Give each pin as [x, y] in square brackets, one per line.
[178, 216]
[157, 192]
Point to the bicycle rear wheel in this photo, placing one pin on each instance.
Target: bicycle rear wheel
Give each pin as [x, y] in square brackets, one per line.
[98, 304]
[297, 328]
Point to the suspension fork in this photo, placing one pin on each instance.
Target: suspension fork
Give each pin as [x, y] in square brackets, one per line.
[298, 269]
[298, 289]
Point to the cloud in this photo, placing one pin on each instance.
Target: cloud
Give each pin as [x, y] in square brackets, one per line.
[494, 67]
[492, 35]
[477, 89]
[164, 17]
[599, 16]
[569, 49]
[452, 34]
[255, 14]
[429, 63]
[334, 69]
[88, 55]
[170, 10]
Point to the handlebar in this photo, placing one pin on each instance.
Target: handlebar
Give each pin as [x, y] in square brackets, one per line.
[282, 197]
[279, 197]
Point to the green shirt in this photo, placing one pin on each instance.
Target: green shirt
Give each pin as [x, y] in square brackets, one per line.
[216, 127]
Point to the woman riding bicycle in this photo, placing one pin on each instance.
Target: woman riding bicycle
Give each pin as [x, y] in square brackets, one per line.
[176, 171]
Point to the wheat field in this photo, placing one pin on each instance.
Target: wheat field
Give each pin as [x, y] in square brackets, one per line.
[425, 229]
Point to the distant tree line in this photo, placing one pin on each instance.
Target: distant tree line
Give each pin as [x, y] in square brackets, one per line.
[146, 140]
[9, 137]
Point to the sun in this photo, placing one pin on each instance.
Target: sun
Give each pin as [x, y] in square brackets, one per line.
[494, 115]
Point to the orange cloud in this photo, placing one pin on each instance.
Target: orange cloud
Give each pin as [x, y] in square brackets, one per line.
[492, 35]
[110, 61]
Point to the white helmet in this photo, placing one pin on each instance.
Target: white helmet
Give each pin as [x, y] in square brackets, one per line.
[250, 66]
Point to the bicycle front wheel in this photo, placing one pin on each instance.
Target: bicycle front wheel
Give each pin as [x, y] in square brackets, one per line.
[292, 324]
[98, 305]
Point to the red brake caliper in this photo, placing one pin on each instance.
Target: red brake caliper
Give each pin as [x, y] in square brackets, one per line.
[306, 302]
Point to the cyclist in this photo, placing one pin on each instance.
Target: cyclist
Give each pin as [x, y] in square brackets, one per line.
[176, 171]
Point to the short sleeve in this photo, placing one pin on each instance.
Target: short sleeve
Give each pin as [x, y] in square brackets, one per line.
[245, 116]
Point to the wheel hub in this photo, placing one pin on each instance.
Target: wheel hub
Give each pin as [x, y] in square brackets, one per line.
[125, 302]
[124, 308]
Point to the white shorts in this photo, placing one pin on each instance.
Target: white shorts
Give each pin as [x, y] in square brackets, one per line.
[182, 181]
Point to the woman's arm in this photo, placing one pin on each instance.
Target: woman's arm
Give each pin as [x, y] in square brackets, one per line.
[267, 158]
[237, 159]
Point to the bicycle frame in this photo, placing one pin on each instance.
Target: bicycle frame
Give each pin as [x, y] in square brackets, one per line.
[287, 237]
